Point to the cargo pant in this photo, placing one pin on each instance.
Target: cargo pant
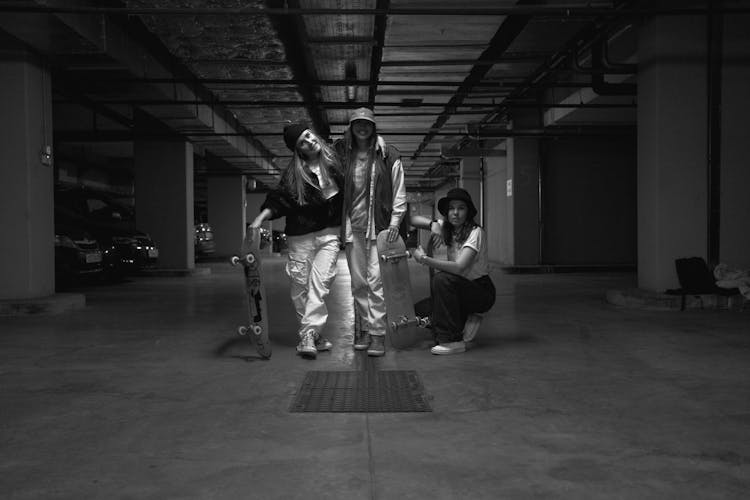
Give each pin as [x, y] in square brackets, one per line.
[312, 269]
[367, 286]
[453, 299]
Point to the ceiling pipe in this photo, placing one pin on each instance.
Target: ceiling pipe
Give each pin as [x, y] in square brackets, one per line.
[598, 84]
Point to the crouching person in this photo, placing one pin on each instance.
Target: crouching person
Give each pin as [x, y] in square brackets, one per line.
[463, 288]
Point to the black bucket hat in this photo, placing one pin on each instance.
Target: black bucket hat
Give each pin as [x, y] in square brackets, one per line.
[457, 194]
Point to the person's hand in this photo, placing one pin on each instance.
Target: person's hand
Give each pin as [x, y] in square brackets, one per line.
[436, 235]
[392, 233]
[435, 228]
[418, 254]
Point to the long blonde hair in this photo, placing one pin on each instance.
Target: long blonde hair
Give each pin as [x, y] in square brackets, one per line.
[298, 174]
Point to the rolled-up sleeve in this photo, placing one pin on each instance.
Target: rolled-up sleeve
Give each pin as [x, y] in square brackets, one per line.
[399, 193]
[278, 204]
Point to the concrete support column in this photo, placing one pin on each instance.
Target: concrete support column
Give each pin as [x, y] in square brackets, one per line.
[471, 181]
[523, 161]
[735, 147]
[164, 199]
[226, 211]
[497, 203]
[27, 266]
[672, 163]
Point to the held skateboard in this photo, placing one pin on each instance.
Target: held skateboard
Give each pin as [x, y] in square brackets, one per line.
[399, 306]
[424, 307]
[250, 259]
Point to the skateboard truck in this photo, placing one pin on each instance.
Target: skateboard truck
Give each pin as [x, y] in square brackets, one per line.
[249, 258]
[394, 257]
[403, 322]
[256, 329]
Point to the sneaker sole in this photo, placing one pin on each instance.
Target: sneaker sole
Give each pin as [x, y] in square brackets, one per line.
[448, 353]
[376, 353]
[471, 329]
[308, 355]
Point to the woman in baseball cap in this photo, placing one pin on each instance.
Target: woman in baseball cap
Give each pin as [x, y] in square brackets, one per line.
[374, 201]
[310, 196]
[463, 289]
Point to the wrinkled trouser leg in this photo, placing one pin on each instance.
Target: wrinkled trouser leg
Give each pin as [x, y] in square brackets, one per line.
[453, 299]
[367, 287]
[312, 269]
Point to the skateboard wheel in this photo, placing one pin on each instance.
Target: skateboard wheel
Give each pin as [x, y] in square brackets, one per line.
[257, 330]
[384, 258]
[234, 260]
[250, 258]
[242, 330]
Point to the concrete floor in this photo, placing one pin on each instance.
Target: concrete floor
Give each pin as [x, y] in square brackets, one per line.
[148, 393]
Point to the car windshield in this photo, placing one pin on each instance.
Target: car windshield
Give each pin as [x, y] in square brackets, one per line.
[100, 208]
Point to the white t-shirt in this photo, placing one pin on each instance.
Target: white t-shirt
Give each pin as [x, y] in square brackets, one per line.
[477, 241]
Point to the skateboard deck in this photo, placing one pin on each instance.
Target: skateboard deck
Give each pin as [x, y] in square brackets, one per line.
[423, 308]
[255, 292]
[402, 322]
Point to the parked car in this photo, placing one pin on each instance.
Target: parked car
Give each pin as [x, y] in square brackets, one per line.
[77, 255]
[124, 248]
[279, 242]
[204, 239]
[265, 237]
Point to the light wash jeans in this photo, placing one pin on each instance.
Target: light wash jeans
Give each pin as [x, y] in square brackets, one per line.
[367, 286]
[311, 269]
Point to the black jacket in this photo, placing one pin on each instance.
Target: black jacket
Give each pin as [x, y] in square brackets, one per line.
[318, 213]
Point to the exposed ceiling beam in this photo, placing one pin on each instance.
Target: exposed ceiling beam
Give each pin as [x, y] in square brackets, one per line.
[505, 35]
[293, 36]
[503, 83]
[568, 131]
[376, 61]
[554, 12]
[450, 109]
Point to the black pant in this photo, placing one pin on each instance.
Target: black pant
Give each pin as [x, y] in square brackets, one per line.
[453, 299]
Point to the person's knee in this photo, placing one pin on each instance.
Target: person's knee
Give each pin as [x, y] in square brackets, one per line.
[442, 281]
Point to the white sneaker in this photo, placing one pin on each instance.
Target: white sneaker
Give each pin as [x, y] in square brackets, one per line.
[473, 322]
[323, 344]
[306, 347]
[449, 348]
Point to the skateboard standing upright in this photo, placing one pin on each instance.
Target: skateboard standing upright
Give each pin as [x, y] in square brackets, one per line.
[394, 271]
[257, 327]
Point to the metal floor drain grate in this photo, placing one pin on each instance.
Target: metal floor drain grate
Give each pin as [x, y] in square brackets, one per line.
[387, 391]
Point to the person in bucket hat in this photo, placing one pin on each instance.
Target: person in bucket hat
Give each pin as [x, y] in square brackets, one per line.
[374, 201]
[310, 196]
[463, 289]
